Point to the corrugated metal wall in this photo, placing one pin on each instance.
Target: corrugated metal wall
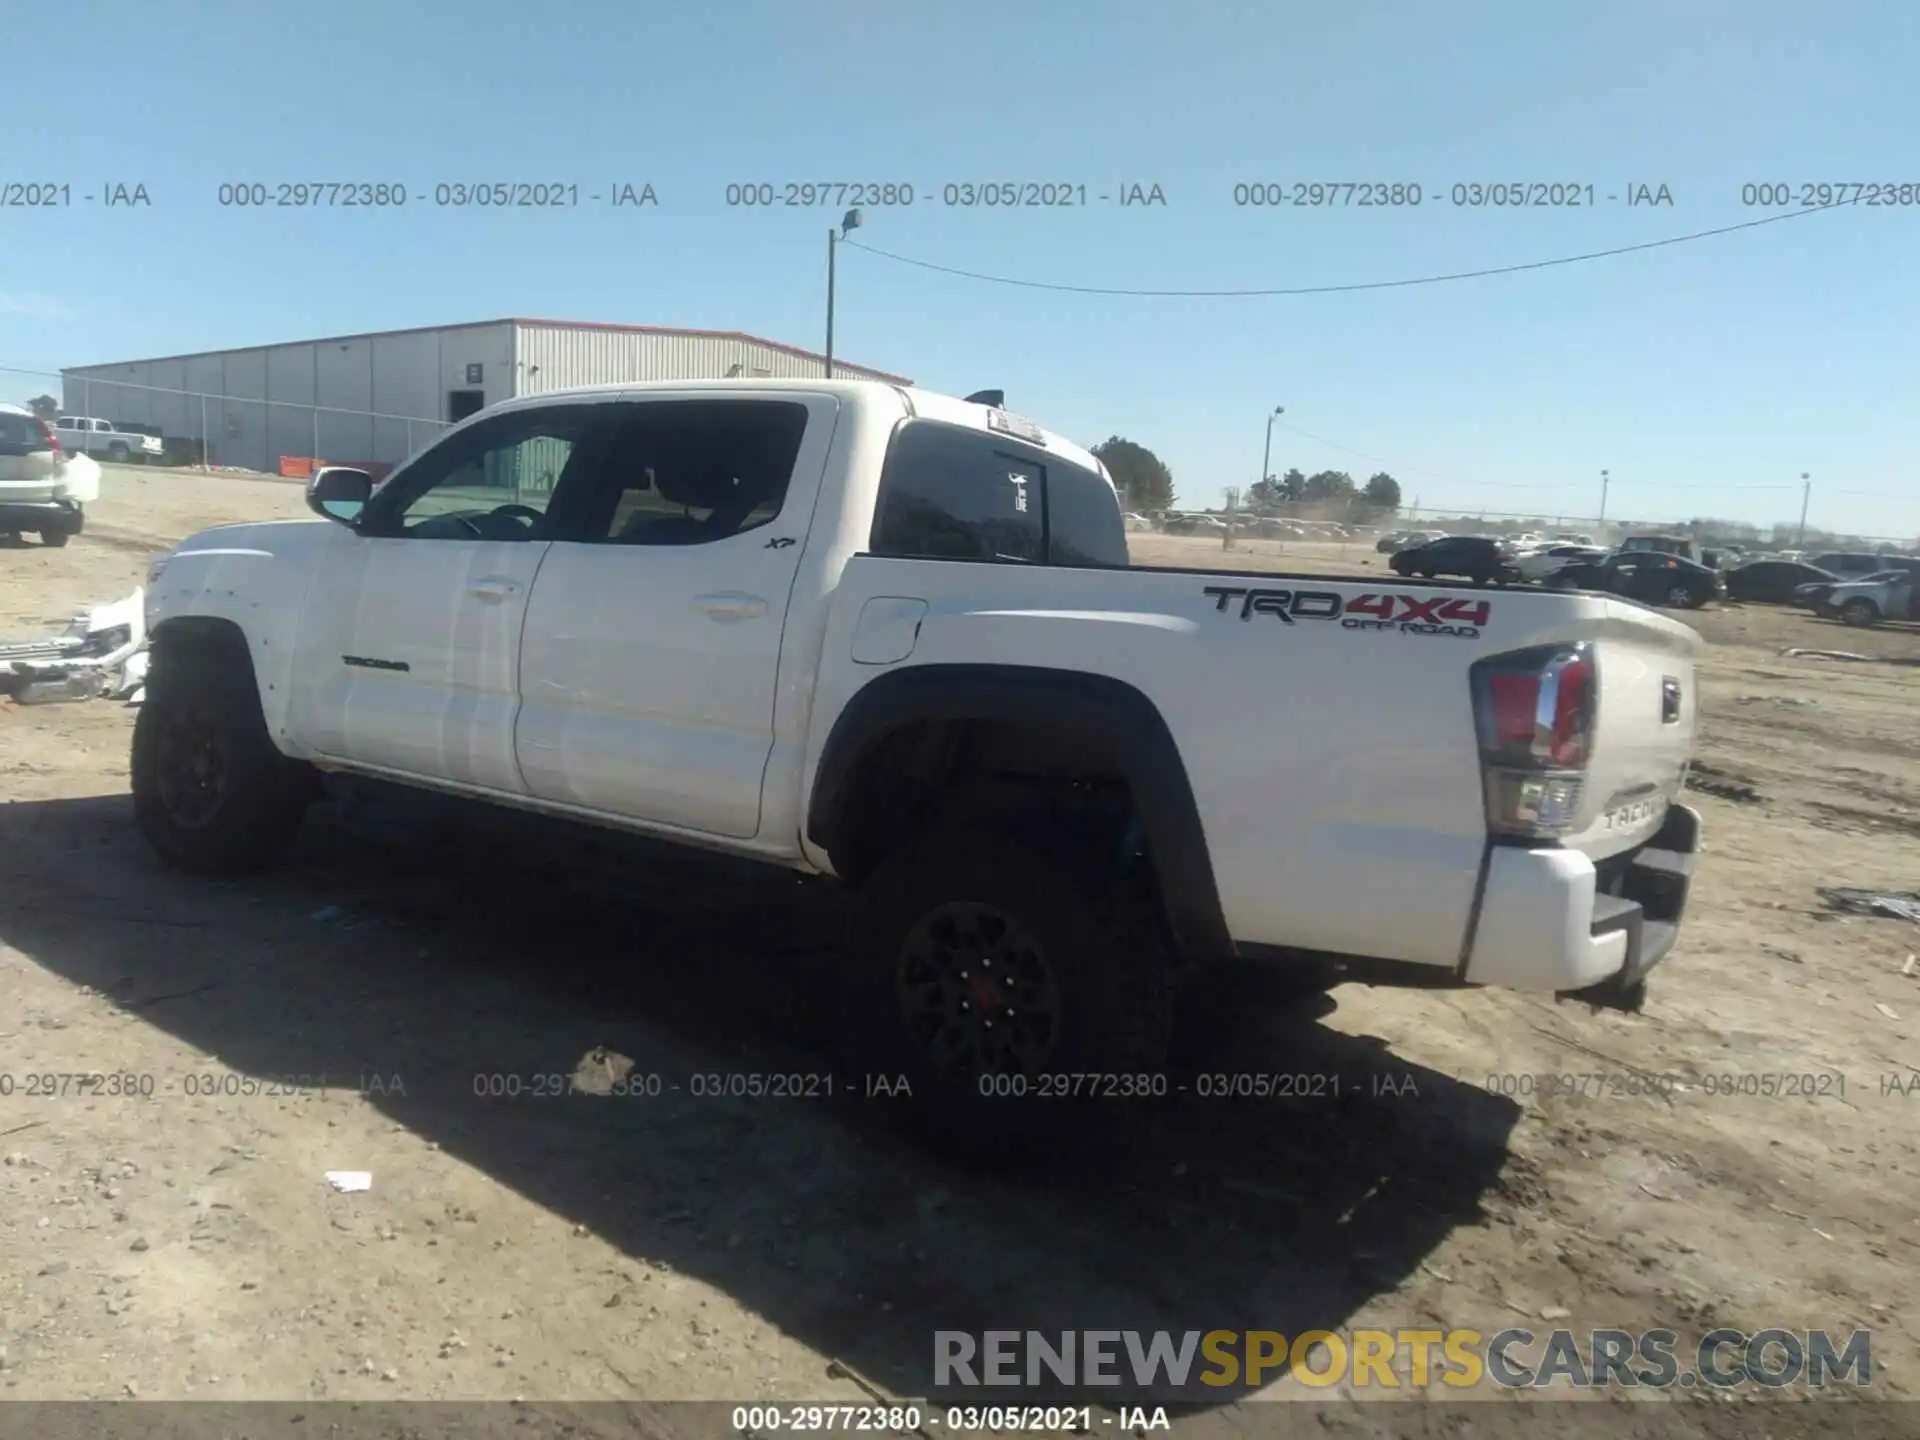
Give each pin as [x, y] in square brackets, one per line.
[383, 397]
[374, 398]
[553, 357]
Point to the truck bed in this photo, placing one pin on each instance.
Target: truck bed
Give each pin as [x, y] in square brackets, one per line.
[1325, 722]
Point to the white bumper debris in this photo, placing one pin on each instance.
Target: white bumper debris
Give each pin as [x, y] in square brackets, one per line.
[101, 652]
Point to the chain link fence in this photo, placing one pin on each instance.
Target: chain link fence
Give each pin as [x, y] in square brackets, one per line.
[231, 432]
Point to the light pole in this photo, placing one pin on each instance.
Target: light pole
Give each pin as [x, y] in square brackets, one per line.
[1266, 455]
[1605, 480]
[850, 221]
[1806, 494]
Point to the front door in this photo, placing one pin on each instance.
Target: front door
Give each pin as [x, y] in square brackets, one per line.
[651, 662]
[409, 650]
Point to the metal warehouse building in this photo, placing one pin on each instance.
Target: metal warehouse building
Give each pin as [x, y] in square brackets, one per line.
[374, 399]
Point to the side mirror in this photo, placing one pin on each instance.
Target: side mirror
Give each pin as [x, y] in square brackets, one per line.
[338, 493]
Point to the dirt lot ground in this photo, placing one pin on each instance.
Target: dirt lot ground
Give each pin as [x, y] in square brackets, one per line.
[566, 1250]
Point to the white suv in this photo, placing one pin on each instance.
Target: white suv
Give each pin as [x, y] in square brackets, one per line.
[41, 488]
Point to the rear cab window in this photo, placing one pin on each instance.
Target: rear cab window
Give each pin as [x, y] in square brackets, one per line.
[948, 492]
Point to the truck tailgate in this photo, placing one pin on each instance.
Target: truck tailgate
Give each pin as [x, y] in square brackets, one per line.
[1644, 729]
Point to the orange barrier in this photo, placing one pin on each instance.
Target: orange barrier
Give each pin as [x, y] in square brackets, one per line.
[301, 467]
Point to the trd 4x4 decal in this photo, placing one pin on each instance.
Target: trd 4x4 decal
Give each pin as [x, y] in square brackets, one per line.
[1405, 614]
[1417, 614]
[1285, 605]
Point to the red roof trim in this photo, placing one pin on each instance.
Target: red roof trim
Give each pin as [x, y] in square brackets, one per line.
[738, 335]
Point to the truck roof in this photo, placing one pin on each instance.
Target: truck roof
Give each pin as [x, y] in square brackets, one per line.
[927, 404]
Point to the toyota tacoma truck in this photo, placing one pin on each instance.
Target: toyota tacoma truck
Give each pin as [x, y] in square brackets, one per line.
[893, 639]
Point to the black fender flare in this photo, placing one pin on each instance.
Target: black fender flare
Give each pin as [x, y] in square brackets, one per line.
[208, 632]
[1116, 719]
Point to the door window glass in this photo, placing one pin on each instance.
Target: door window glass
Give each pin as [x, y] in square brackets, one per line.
[493, 481]
[690, 472]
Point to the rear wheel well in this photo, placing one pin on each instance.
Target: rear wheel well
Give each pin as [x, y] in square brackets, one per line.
[924, 774]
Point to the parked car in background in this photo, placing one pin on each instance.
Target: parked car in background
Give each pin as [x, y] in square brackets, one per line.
[84, 435]
[1575, 540]
[1854, 564]
[1774, 582]
[29, 450]
[1649, 576]
[1890, 595]
[43, 490]
[1813, 594]
[1549, 560]
[1392, 544]
[1684, 546]
[1480, 558]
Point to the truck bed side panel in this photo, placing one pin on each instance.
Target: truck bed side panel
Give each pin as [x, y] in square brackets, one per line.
[1329, 739]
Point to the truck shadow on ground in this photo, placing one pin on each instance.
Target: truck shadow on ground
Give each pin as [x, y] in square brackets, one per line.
[446, 966]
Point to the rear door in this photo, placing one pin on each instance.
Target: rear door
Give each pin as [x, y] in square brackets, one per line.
[651, 657]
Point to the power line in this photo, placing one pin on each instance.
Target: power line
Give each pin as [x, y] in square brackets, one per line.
[1349, 288]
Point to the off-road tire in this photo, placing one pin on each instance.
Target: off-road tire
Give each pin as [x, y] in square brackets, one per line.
[253, 797]
[1103, 942]
[55, 538]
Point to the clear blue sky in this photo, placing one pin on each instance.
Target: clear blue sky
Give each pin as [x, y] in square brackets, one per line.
[1696, 374]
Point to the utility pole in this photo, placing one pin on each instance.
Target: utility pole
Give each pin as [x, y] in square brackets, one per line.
[1266, 455]
[1806, 494]
[1605, 480]
[851, 221]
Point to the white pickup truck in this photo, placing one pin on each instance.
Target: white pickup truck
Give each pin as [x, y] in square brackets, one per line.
[102, 439]
[893, 638]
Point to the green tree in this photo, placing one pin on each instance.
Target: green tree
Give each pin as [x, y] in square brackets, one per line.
[1328, 485]
[44, 407]
[1266, 495]
[1143, 479]
[1382, 493]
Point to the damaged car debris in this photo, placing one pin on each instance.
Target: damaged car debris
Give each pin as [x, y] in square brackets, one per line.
[102, 652]
[1895, 904]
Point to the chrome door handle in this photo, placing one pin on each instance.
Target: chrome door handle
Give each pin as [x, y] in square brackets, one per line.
[494, 589]
[730, 605]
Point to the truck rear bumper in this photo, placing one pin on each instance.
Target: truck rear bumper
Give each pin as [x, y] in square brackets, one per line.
[1550, 920]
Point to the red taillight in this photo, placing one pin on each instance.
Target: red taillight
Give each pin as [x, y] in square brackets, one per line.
[53, 440]
[1516, 703]
[1534, 711]
[1571, 738]
[1541, 712]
